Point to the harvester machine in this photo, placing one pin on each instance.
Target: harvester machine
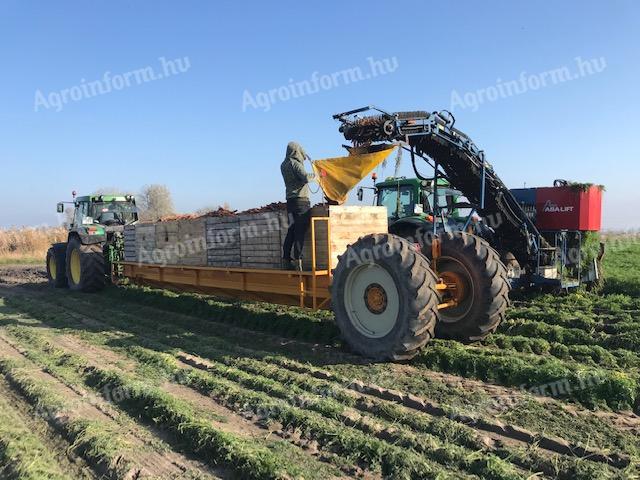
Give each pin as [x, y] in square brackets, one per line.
[506, 219]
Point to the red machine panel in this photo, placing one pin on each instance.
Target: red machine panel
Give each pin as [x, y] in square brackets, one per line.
[565, 208]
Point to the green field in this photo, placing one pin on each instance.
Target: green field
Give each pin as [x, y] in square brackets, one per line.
[142, 383]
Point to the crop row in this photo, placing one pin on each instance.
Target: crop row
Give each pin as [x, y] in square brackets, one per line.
[92, 439]
[445, 428]
[23, 454]
[627, 340]
[607, 303]
[292, 387]
[178, 337]
[168, 411]
[291, 322]
[589, 386]
[593, 355]
[296, 323]
[139, 396]
[615, 389]
[561, 342]
[146, 323]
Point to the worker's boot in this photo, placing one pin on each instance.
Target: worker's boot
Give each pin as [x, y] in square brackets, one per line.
[288, 264]
[297, 264]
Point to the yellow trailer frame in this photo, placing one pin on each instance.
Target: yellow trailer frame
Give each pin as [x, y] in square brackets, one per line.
[305, 289]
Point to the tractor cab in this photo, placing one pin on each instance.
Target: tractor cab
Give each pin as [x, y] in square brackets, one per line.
[411, 201]
[104, 210]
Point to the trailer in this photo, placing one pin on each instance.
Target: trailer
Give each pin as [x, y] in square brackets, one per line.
[309, 289]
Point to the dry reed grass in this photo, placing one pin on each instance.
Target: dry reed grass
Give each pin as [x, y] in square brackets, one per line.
[28, 244]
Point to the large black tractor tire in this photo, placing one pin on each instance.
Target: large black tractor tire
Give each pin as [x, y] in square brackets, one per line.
[85, 266]
[384, 297]
[57, 265]
[482, 292]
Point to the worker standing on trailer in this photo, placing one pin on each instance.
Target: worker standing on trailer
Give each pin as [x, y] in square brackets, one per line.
[296, 181]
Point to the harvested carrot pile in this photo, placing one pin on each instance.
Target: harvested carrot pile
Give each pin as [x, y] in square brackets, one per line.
[272, 207]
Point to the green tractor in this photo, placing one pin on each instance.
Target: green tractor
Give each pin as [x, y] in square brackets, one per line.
[85, 262]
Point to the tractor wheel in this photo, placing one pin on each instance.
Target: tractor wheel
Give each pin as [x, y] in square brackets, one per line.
[482, 287]
[384, 297]
[85, 266]
[56, 265]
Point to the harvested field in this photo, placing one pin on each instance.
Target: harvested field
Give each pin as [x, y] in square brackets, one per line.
[141, 383]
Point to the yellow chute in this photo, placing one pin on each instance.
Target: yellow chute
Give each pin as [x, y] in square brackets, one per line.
[337, 176]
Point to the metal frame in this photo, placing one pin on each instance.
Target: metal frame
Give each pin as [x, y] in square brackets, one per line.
[561, 248]
[314, 267]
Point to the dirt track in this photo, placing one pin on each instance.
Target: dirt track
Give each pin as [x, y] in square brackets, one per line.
[22, 274]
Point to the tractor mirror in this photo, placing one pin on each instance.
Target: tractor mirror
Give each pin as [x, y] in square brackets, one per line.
[60, 208]
[360, 193]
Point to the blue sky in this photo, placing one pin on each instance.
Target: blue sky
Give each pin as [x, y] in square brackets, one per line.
[189, 130]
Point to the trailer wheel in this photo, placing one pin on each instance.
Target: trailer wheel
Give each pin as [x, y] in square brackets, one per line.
[85, 266]
[482, 287]
[56, 265]
[384, 297]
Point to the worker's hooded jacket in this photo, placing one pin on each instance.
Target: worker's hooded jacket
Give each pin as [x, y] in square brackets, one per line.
[296, 179]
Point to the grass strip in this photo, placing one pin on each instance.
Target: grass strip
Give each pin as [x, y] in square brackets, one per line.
[94, 440]
[593, 355]
[23, 455]
[591, 387]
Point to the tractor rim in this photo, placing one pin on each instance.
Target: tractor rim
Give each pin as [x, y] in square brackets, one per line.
[452, 271]
[74, 264]
[53, 270]
[372, 300]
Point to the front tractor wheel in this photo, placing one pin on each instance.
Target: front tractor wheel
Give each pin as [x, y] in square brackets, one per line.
[384, 297]
[56, 268]
[479, 287]
[85, 266]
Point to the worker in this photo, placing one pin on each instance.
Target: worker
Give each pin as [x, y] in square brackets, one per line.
[296, 181]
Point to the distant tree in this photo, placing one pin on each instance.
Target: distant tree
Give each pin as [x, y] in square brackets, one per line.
[154, 202]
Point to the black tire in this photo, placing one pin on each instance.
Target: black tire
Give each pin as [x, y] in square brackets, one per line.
[410, 300]
[475, 266]
[92, 274]
[56, 265]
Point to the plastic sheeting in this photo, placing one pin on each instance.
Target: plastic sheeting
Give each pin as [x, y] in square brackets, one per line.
[337, 176]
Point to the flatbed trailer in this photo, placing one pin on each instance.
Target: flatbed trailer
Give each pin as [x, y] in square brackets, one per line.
[304, 289]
